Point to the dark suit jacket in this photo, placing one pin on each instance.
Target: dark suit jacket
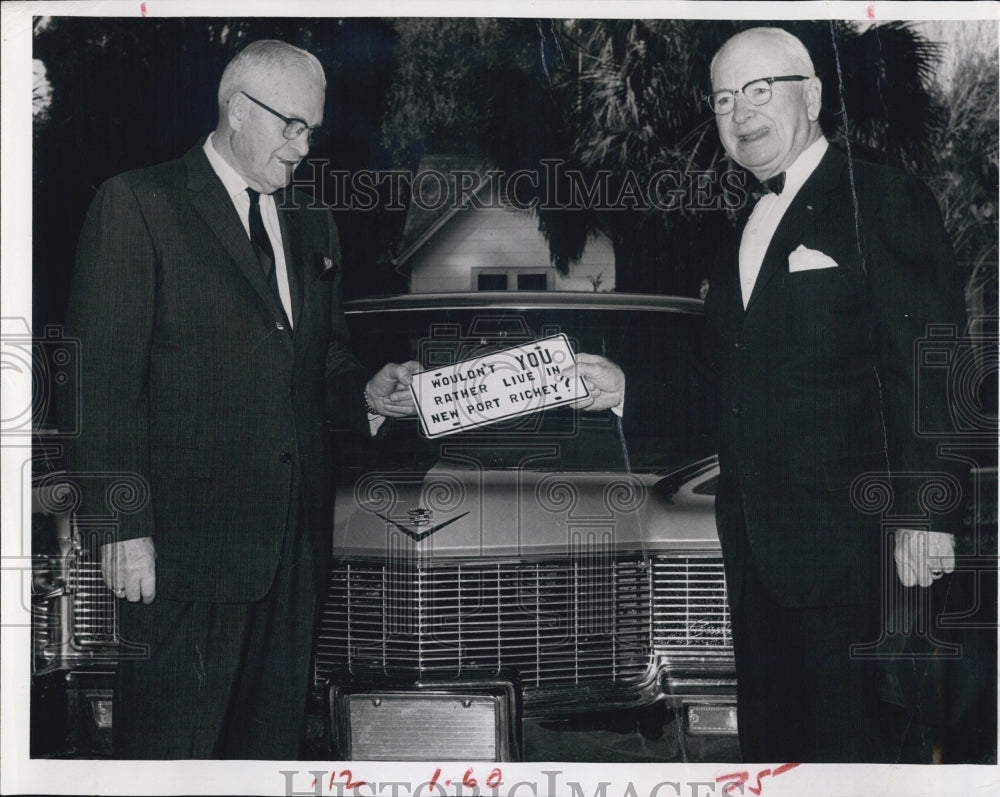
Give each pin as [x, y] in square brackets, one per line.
[191, 380]
[818, 385]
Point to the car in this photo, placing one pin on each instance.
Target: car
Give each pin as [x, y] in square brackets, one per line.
[547, 586]
[503, 591]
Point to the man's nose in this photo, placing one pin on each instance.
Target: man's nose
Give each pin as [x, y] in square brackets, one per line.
[300, 144]
[742, 110]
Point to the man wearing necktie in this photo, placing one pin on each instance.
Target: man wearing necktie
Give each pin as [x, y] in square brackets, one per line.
[206, 301]
[814, 315]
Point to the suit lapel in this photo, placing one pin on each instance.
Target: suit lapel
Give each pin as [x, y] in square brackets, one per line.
[291, 241]
[214, 205]
[732, 291]
[801, 215]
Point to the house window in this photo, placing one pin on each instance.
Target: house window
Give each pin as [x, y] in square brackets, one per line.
[532, 282]
[491, 282]
[510, 279]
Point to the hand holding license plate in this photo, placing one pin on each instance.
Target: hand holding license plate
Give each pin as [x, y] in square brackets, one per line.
[496, 386]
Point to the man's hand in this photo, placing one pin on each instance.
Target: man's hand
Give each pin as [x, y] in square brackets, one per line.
[923, 556]
[129, 569]
[387, 391]
[603, 379]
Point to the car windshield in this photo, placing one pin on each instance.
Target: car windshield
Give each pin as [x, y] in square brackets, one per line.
[658, 349]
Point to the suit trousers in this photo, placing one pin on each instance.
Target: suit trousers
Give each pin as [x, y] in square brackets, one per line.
[801, 697]
[220, 680]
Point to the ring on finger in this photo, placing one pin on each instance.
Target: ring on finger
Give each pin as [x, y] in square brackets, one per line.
[937, 573]
[119, 591]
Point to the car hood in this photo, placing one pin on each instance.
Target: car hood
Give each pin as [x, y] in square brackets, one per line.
[464, 511]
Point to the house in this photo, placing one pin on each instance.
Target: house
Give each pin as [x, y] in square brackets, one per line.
[463, 232]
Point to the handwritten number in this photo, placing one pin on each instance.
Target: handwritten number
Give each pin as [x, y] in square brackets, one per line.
[467, 779]
[494, 778]
[349, 782]
[784, 768]
[739, 778]
[760, 775]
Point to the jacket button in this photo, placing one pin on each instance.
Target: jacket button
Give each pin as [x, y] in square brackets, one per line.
[737, 411]
[286, 457]
[739, 346]
[279, 326]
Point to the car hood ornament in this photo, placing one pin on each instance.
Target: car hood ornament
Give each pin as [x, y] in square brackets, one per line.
[420, 517]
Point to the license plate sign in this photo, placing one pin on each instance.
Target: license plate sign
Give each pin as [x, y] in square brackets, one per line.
[496, 386]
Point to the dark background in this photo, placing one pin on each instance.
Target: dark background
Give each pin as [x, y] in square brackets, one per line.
[614, 95]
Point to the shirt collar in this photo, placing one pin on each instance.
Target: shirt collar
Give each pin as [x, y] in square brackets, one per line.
[234, 184]
[804, 165]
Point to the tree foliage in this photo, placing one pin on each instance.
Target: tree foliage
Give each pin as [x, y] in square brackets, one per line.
[436, 102]
[965, 168]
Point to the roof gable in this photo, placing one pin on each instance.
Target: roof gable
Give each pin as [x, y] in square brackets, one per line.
[460, 176]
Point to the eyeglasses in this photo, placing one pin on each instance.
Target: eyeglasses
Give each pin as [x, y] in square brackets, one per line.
[293, 127]
[756, 92]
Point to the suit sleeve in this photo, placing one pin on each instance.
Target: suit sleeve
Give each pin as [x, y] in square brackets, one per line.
[916, 289]
[111, 313]
[345, 378]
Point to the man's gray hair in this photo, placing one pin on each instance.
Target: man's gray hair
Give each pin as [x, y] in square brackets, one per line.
[780, 39]
[262, 57]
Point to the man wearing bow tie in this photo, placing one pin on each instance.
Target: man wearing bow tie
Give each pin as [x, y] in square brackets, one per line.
[814, 315]
[206, 301]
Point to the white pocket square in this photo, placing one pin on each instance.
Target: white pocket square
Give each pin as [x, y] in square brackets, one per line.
[803, 259]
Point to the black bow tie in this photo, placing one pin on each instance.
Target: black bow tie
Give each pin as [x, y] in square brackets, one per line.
[772, 185]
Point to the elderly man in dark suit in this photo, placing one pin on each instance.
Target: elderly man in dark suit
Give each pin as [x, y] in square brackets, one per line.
[206, 301]
[815, 313]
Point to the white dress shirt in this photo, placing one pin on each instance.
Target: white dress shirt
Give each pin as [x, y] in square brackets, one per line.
[236, 186]
[768, 212]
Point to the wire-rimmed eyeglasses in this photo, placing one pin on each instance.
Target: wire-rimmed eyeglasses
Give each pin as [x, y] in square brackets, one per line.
[756, 92]
[293, 127]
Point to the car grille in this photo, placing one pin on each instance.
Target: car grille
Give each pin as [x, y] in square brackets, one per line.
[555, 623]
[78, 623]
[690, 611]
[94, 615]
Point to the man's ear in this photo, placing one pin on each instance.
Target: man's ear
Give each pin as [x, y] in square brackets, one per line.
[814, 98]
[236, 109]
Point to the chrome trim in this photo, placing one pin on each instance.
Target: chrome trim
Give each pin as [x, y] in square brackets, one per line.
[523, 300]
